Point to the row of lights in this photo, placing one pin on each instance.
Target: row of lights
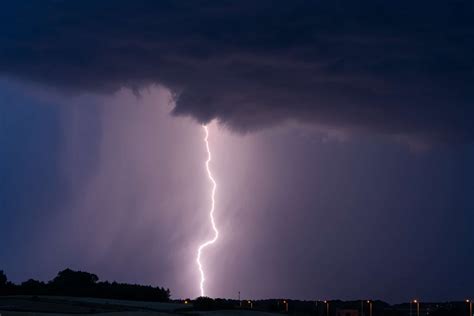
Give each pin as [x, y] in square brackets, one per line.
[285, 303]
[414, 302]
[361, 305]
[469, 302]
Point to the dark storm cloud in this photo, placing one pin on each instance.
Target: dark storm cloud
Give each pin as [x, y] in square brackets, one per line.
[394, 67]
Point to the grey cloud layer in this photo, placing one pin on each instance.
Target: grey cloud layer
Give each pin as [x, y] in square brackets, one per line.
[395, 68]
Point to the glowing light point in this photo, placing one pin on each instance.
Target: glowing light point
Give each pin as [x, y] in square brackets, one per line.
[211, 214]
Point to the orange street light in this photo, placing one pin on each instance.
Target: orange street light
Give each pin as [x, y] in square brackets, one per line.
[415, 301]
[469, 302]
[370, 307]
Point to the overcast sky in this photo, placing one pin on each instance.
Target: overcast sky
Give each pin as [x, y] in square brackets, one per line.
[341, 137]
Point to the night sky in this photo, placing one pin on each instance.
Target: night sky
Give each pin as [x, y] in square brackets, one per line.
[341, 135]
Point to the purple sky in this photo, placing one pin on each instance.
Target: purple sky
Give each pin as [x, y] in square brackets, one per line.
[341, 133]
[303, 212]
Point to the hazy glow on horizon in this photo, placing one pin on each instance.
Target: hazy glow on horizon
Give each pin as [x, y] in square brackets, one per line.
[211, 214]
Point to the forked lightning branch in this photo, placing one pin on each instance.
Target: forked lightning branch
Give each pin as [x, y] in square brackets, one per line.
[211, 214]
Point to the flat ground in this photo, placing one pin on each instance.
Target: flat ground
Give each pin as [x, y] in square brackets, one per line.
[79, 306]
[235, 312]
[50, 305]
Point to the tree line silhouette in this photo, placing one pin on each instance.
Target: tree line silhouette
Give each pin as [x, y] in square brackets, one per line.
[83, 284]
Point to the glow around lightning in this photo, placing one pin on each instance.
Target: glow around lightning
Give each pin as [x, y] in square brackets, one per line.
[211, 214]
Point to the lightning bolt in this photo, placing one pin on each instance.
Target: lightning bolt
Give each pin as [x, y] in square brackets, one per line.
[211, 213]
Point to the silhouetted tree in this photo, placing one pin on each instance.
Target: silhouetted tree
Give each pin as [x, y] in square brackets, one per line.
[79, 283]
[70, 278]
[3, 279]
[3, 283]
[33, 287]
[74, 283]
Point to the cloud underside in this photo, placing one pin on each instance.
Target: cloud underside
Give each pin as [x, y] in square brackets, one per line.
[389, 68]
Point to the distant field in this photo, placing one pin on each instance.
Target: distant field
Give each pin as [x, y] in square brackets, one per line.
[80, 306]
[149, 313]
[129, 313]
[156, 306]
[236, 313]
[45, 305]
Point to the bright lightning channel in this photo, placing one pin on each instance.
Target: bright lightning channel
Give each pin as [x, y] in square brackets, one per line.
[211, 213]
